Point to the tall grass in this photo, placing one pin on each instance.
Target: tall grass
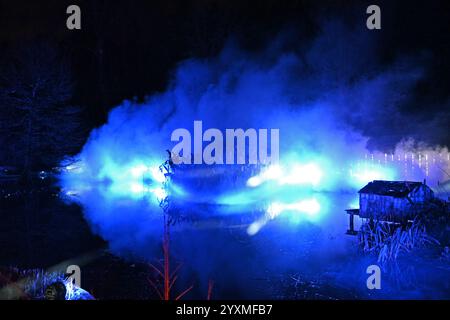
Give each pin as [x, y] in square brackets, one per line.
[388, 240]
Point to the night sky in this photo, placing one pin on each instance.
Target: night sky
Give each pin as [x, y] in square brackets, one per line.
[129, 49]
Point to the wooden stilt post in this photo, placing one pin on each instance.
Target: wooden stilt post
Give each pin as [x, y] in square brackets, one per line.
[351, 226]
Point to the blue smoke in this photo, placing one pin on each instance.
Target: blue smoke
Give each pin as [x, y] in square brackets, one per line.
[322, 96]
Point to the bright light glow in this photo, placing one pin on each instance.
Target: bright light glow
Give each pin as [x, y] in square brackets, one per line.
[272, 173]
[153, 185]
[135, 181]
[296, 174]
[137, 188]
[254, 181]
[255, 227]
[368, 176]
[71, 193]
[160, 193]
[157, 175]
[307, 174]
[141, 180]
[310, 207]
[138, 170]
[74, 168]
[362, 177]
[275, 209]
[307, 208]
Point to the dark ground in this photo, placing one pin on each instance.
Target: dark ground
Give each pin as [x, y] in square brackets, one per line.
[39, 231]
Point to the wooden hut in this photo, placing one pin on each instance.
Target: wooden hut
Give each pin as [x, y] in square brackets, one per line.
[392, 201]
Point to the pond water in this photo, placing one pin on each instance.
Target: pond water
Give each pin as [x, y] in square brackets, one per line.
[299, 251]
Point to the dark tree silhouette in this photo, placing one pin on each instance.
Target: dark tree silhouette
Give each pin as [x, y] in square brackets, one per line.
[38, 125]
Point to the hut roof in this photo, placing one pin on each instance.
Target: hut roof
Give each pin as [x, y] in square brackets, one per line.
[397, 189]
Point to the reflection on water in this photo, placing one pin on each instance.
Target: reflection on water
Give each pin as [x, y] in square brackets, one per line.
[257, 233]
[303, 246]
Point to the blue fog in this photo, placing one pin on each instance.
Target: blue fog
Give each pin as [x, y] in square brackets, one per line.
[259, 232]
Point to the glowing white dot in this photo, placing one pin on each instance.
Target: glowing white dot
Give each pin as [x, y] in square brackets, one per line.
[254, 181]
[255, 227]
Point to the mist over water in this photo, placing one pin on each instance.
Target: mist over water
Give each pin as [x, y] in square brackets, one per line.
[330, 97]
